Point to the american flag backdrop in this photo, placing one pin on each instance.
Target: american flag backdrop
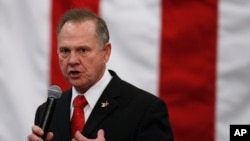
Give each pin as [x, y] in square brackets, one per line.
[194, 54]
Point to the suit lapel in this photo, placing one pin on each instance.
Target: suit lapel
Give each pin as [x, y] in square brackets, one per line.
[104, 106]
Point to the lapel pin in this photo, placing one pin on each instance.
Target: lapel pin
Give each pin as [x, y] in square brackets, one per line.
[104, 104]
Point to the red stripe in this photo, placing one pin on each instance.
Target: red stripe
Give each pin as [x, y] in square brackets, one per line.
[188, 67]
[58, 8]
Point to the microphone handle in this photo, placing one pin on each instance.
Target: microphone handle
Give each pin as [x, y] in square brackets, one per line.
[47, 115]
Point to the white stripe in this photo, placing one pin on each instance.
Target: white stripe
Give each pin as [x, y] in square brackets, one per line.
[24, 43]
[135, 36]
[233, 86]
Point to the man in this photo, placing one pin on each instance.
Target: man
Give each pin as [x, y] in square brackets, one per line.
[115, 110]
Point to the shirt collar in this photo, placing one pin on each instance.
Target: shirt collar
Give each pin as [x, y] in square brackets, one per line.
[94, 93]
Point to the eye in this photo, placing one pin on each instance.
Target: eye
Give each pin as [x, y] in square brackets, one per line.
[82, 50]
[64, 50]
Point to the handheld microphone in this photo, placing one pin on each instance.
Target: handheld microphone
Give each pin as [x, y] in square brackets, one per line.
[54, 93]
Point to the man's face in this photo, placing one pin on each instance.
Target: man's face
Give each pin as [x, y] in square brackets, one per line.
[82, 57]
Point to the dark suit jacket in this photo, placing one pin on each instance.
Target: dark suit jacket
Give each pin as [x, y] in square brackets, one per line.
[132, 115]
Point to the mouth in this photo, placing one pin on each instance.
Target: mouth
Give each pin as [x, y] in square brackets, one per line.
[74, 74]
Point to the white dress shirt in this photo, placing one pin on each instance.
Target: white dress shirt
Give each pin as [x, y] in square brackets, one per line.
[92, 95]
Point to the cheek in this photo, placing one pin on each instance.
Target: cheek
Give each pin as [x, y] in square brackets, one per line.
[62, 64]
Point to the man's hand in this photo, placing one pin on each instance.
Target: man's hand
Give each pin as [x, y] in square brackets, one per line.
[36, 134]
[80, 137]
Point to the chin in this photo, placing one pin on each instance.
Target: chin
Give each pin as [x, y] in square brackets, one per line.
[76, 83]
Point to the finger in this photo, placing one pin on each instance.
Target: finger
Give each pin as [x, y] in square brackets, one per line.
[100, 134]
[37, 130]
[36, 133]
[79, 136]
[33, 137]
[49, 136]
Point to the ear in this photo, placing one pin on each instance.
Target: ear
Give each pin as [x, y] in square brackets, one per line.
[106, 52]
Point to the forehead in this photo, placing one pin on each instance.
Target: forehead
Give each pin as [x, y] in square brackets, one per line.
[80, 29]
[86, 26]
[78, 33]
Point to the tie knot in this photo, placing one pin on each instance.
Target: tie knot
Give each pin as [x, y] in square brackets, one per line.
[80, 101]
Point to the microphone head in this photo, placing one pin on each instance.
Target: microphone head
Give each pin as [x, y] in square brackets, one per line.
[54, 91]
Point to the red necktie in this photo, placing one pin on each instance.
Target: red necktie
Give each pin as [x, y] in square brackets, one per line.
[78, 120]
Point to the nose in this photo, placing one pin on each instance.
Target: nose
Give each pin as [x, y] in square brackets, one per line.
[73, 58]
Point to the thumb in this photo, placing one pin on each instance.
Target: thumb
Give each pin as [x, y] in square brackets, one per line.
[100, 134]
